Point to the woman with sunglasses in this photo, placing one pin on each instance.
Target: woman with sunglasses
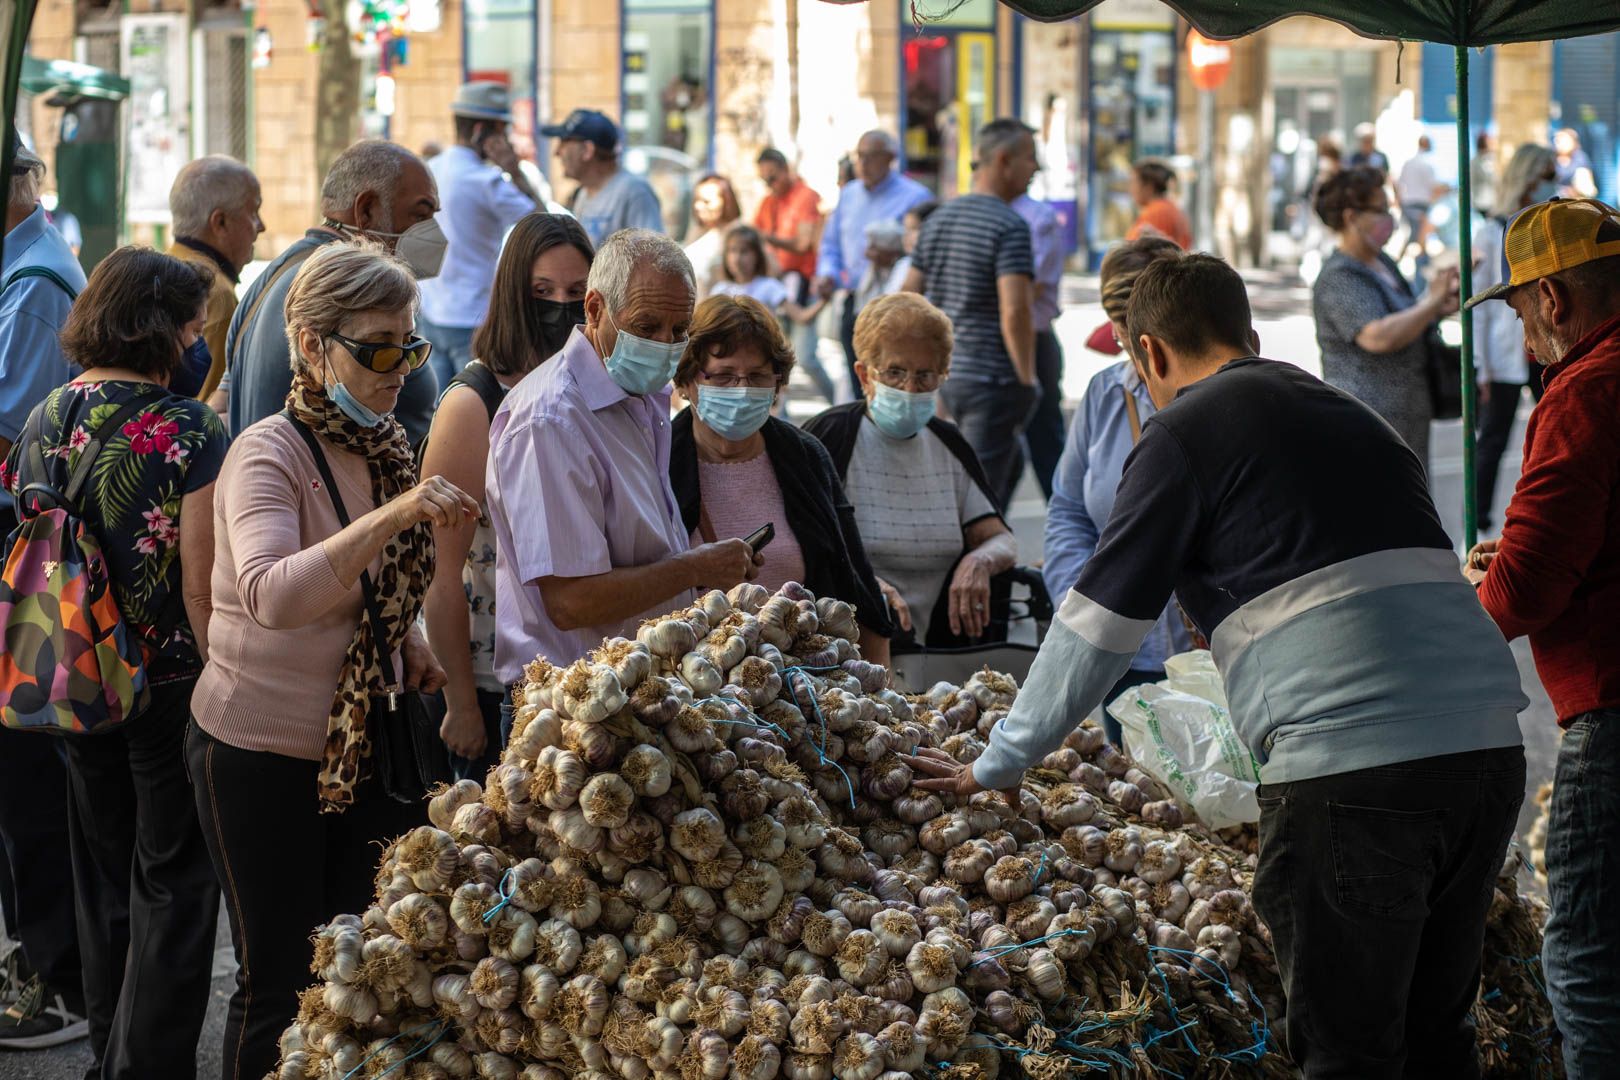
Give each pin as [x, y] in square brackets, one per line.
[735, 468]
[280, 749]
[1374, 331]
[923, 505]
[537, 300]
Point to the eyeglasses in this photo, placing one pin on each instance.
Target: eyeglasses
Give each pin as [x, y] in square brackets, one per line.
[905, 379]
[384, 356]
[759, 380]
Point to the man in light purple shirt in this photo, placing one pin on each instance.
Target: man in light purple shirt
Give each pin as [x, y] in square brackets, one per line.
[1043, 435]
[589, 539]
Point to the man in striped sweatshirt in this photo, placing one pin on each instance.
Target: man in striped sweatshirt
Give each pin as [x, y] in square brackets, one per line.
[1297, 531]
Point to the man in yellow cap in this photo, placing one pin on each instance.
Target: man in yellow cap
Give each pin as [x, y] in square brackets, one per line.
[1555, 575]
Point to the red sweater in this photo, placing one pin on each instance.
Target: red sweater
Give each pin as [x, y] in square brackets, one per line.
[1556, 576]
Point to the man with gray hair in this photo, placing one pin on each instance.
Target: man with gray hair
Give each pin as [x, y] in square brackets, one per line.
[214, 207]
[375, 189]
[877, 194]
[589, 538]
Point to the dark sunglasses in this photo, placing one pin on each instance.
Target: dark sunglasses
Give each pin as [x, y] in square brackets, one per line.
[384, 357]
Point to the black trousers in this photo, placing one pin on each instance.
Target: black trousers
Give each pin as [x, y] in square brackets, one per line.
[846, 338]
[34, 839]
[1375, 885]
[1044, 435]
[285, 868]
[1494, 425]
[148, 957]
[489, 704]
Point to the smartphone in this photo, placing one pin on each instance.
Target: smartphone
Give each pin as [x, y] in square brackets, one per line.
[761, 536]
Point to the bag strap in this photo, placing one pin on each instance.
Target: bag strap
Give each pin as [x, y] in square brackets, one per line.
[41, 272]
[258, 301]
[483, 383]
[1132, 414]
[367, 592]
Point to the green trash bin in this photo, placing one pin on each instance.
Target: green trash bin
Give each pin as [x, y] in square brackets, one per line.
[89, 181]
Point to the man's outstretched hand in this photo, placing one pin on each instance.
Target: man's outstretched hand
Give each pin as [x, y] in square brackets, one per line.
[945, 774]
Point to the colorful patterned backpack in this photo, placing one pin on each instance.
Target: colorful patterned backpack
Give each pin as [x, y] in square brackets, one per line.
[70, 664]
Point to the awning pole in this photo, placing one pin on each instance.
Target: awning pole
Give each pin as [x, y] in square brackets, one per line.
[1465, 254]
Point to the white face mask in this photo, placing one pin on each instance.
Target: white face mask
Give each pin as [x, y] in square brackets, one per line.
[421, 247]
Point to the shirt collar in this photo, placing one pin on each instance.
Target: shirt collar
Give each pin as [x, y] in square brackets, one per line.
[883, 185]
[590, 373]
[213, 253]
[19, 240]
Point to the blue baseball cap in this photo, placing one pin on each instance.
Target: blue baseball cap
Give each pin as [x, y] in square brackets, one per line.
[587, 125]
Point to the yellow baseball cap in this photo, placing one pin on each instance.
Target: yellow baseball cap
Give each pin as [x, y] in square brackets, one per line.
[1552, 236]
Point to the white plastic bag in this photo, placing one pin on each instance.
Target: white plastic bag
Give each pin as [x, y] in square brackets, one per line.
[1180, 732]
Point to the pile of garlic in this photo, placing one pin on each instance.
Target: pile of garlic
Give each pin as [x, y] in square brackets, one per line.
[702, 857]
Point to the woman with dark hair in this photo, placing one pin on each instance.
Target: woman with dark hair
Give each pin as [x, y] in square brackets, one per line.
[1157, 213]
[1374, 332]
[714, 211]
[736, 468]
[537, 300]
[149, 500]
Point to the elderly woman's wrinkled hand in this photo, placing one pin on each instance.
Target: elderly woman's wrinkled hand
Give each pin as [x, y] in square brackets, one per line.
[436, 501]
[970, 597]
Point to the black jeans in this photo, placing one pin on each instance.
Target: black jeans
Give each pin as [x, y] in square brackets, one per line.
[489, 704]
[1581, 953]
[846, 338]
[992, 416]
[1494, 426]
[285, 868]
[34, 836]
[148, 958]
[1045, 435]
[1375, 884]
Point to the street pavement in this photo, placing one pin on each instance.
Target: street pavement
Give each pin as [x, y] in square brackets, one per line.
[1287, 332]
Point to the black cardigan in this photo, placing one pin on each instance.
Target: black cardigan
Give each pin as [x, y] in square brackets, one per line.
[820, 516]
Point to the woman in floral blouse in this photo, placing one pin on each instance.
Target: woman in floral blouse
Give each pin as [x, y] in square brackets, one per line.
[149, 501]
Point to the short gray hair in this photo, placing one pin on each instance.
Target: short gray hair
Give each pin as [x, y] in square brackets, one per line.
[214, 182]
[888, 235]
[341, 280]
[883, 137]
[629, 250]
[370, 165]
[25, 185]
[1000, 135]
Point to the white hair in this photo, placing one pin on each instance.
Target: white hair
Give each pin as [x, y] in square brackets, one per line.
[883, 137]
[372, 165]
[629, 250]
[888, 235]
[214, 182]
[25, 189]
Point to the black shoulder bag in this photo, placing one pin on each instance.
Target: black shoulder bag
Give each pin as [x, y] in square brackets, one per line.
[406, 750]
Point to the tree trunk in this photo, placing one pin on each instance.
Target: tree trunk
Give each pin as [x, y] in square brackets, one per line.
[337, 94]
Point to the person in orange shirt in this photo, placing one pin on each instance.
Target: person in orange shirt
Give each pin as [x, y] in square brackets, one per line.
[1159, 214]
[789, 221]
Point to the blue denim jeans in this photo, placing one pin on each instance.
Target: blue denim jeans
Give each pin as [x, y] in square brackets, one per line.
[452, 348]
[1581, 954]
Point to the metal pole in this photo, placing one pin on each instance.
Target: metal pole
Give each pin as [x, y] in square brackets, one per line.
[1465, 254]
[1205, 210]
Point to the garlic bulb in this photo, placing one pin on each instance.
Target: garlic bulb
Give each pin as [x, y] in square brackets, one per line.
[667, 638]
[1158, 863]
[646, 770]
[444, 802]
[591, 692]
[606, 800]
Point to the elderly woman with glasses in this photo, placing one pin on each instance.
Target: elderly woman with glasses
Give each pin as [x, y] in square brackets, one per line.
[922, 503]
[323, 544]
[736, 468]
[1374, 331]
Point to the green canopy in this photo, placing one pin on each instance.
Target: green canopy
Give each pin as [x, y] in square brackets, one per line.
[1473, 23]
[71, 80]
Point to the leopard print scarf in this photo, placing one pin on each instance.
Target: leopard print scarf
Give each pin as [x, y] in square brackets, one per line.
[407, 567]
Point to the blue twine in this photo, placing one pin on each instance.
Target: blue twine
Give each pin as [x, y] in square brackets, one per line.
[821, 750]
[1259, 1030]
[998, 951]
[1039, 870]
[506, 897]
[442, 1025]
[758, 722]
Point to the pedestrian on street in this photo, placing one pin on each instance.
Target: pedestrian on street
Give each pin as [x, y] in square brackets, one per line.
[42, 991]
[1157, 213]
[537, 300]
[1416, 189]
[1501, 368]
[214, 204]
[1374, 332]
[1554, 576]
[375, 189]
[877, 193]
[925, 512]
[974, 263]
[735, 468]
[148, 948]
[1575, 179]
[745, 271]
[1366, 155]
[714, 212]
[608, 197]
[789, 220]
[589, 539]
[313, 628]
[1107, 426]
[1363, 676]
[482, 194]
[1043, 438]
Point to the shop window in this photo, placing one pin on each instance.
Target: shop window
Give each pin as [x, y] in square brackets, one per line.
[1133, 109]
[667, 112]
[220, 81]
[500, 48]
[949, 73]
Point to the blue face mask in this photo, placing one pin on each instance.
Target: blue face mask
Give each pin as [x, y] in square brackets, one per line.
[640, 366]
[898, 413]
[195, 363]
[734, 412]
[349, 405]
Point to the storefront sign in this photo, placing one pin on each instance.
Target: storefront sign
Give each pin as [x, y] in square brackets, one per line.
[157, 139]
[1210, 61]
[1132, 15]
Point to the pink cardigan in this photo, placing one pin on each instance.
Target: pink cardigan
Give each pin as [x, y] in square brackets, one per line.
[281, 621]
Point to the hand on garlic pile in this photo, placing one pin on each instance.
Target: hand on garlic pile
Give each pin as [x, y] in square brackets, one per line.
[946, 774]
